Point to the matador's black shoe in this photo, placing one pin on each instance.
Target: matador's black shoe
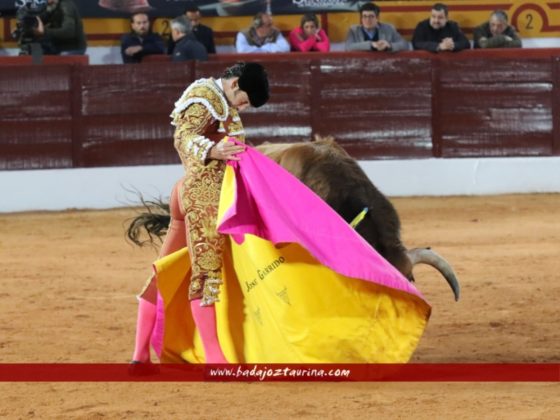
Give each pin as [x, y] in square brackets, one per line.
[137, 368]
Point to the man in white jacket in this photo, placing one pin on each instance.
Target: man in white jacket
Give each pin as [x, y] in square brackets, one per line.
[373, 35]
[261, 37]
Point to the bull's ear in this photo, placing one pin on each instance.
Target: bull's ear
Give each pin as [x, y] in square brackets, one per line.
[326, 139]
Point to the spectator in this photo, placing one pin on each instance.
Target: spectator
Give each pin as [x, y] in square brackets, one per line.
[60, 29]
[187, 47]
[141, 41]
[438, 33]
[203, 33]
[496, 33]
[261, 37]
[308, 36]
[373, 35]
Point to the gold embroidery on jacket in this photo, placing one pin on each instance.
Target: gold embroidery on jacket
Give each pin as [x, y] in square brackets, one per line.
[200, 193]
[190, 130]
[207, 93]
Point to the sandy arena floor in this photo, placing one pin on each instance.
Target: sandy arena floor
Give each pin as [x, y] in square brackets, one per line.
[69, 280]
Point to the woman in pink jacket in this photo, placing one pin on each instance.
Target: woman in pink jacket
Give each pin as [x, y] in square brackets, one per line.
[309, 36]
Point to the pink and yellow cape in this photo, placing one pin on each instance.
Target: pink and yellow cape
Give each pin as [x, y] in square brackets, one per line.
[300, 285]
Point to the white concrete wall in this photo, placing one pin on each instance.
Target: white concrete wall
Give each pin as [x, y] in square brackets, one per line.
[469, 176]
[98, 188]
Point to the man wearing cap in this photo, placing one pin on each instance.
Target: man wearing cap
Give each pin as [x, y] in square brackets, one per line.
[205, 117]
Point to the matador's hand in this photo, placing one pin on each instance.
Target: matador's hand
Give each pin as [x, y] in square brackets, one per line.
[226, 150]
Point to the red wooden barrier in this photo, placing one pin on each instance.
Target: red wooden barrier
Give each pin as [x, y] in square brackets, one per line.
[47, 59]
[413, 104]
[125, 113]
[35, 117]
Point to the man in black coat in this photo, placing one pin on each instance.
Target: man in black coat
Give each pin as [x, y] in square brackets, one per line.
[59, 29]
[187, 47]
[438, 34]
[141, 41]
[202, 33]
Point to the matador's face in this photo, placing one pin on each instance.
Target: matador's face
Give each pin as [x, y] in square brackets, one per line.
[236, 97]
[241, 100]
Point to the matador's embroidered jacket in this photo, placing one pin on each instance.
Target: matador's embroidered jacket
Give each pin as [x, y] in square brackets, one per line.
[202, 117]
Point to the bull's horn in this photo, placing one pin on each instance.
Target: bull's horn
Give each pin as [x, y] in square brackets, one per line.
[427, 256]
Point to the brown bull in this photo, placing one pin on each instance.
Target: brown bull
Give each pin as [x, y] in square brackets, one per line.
[337, 178]
[332, 174]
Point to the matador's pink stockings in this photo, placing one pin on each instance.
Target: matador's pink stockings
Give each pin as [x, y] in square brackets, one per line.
[205, 320]
[174, 240]
[144, 326]
[204, 316]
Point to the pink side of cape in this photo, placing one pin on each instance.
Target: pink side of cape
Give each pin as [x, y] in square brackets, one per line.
[274, 205]
[159, 327]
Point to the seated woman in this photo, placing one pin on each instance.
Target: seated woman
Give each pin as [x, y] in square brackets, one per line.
[309, 36]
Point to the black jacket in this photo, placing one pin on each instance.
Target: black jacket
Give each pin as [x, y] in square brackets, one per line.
[203, 34]
[64, 30]
[152, 43]
[188, 48]
[427, 38]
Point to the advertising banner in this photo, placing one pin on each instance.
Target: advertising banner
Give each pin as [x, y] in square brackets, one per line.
[169, 8]
[172, 8]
